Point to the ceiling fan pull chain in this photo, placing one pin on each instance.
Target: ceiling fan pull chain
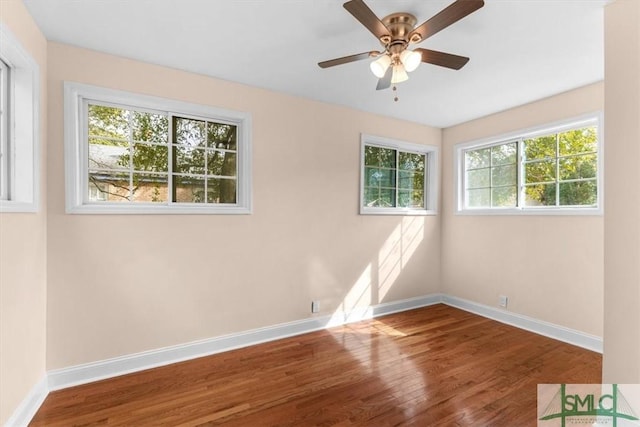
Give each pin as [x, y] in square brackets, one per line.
[395, 98]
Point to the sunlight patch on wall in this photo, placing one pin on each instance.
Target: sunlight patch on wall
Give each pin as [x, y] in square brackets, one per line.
[379, 276]
[396, 252]
[357, 302]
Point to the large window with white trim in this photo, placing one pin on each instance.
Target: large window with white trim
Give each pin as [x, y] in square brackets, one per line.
[397, 177]
[552, 169]
[132, 154]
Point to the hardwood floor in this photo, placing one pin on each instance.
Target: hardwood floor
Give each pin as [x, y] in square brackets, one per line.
[435, 366]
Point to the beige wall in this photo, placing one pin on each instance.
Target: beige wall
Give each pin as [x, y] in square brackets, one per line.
[122, 284]
[622, 220]
[23, 255]
[550, 267]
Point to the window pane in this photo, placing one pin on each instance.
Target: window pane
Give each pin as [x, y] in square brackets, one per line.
[578, 167]
[480, 198]
[417, 199]
[221, 163]
[187, 159]
[189, 132]
[478, 178]
[578, 141]
[221, 136]
[378, 156]
[504, 196]
[371, 156]
[387, 158]
[540, 148]
[503, 175]
[370, 196]
[380, 177]
[408, 180]
[544, 171]
[98, 192]
[111, 122]
[188, 189]
[579, 193]
[419, 181]
[504, 154]
[411, 161]
[108, 154]
[152, 158]
[150, 187]
[410, 199]
[380, 197]
[475, 159]
[540, 195]
[221, 190]
[150, 127]
[112, 186]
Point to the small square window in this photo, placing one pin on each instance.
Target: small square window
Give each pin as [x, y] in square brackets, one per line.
[397, 177]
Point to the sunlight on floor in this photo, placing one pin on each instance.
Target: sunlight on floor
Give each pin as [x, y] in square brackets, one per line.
[376, 327]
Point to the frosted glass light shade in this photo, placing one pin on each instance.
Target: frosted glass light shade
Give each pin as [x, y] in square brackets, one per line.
[399, 74]
[410, 59]
[380, 65]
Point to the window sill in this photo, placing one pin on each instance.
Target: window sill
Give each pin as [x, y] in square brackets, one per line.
[9, 206]
[397, 211]
[533, 212]
[147, 209]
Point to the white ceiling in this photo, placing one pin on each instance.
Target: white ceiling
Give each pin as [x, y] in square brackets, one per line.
[520, 50]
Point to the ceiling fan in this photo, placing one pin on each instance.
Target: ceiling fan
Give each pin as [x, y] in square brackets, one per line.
[396, 32]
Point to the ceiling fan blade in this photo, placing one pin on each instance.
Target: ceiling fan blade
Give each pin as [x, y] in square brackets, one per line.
[442, 59]
[447, 16]
[347, 59]
[385, 81]
[362, 13]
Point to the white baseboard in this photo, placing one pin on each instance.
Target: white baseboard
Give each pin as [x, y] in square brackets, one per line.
[25, 412]
[571, 336]
[81, 374]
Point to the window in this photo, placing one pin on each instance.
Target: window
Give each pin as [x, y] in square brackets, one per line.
[19, 107]
[551, 170]
[139, 154]
[397, 177]
[4, 131]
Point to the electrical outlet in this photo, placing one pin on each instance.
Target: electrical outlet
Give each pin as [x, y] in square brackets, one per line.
[502, 301]
[315, 306]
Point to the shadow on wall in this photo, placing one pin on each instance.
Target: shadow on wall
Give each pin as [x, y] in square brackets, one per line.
[380, 275]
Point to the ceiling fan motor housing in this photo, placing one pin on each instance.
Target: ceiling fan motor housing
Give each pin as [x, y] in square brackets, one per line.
[400, 26]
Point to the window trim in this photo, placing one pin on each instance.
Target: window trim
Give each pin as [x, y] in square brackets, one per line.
[23, 130]
[431, 177]
[532, 132]
[76, 162]
[5, 120]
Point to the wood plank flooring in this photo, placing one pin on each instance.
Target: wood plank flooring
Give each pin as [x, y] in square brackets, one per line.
[435, 366]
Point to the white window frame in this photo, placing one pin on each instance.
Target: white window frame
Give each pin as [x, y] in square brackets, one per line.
[590, 119]
[76, 151]
[21, 165]
[4, 130]
[431, 177]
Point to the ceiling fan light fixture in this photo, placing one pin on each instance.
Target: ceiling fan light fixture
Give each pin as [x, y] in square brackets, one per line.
[410, 59]
[399, 74]
[380, 65]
